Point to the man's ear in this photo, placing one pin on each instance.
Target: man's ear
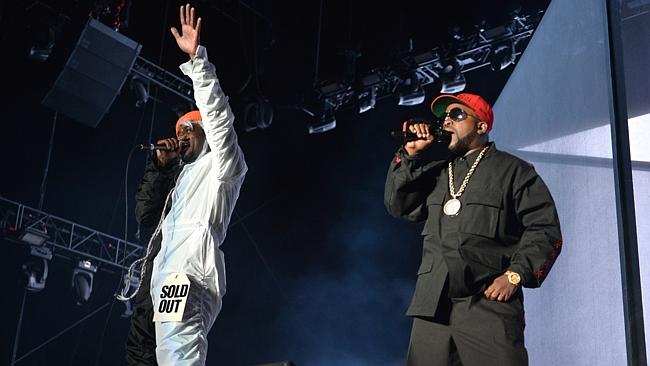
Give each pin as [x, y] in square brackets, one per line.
[481, 128]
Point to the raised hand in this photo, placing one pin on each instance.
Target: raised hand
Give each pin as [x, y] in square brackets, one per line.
[188, 40]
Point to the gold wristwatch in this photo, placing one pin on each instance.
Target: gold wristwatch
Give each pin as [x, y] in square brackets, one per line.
[513, 277]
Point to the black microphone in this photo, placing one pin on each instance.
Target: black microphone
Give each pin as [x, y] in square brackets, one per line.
[439, 135]
[153, 147]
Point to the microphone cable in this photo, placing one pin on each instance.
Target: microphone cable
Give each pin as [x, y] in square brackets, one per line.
[126, 219]
[126, 222]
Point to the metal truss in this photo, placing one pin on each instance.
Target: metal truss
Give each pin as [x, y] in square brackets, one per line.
[65, 236]
[471, 53]
[163, 78]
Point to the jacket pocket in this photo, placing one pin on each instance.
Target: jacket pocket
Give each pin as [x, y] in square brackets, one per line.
[427, 262]
[481, 209]
[434, 204]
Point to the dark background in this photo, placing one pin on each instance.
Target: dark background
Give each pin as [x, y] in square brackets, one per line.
[318, 272]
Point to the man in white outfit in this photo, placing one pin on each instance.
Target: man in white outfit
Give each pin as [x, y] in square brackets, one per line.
[210, 170]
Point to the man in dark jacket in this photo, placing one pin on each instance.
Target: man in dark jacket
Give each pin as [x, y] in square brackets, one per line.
[491, 227]
[159, 179]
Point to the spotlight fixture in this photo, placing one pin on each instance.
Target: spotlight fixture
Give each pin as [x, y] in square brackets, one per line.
[36, 269]
[140, 88]
[36, 272]
[368, 97]
[453, 80]
[258, 113]
[411, 91]
[502, 56]
[44, 38]
[82, 280]
[367, 100]
[456, 34]
[323, 123]
[33, 237]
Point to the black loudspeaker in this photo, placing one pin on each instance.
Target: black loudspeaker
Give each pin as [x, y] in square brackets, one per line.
[284, 363]
[93, 75]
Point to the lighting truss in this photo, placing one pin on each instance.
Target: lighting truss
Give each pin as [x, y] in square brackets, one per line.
[65, 236]
[471, 52]
[149, 71]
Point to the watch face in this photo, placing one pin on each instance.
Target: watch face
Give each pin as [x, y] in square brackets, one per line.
[514, 278]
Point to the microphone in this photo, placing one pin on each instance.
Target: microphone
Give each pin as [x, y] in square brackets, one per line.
[439, 135]
[153, 147]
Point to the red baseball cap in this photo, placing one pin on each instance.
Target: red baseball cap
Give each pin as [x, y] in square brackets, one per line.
[475, 102]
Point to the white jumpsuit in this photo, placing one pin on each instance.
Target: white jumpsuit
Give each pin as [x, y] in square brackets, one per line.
[195, 227]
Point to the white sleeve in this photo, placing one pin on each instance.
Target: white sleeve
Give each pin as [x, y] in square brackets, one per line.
[216, 115]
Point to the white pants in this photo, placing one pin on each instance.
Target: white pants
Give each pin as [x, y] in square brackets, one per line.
[185, 343]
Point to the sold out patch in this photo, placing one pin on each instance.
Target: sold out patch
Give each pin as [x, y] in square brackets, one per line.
[170, 300]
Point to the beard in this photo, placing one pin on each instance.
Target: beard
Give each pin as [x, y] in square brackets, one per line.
[194, 151]
[462, 146]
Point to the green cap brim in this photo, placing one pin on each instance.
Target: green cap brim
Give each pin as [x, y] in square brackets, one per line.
[440, 104]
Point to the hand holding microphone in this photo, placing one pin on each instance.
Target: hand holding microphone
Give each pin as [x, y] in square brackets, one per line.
[418, 134]
[170, 153]
[422, 139]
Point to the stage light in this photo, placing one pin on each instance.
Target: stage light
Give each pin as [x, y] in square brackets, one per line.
[410, 91]
[36, 272]
[36, 269]
[82, 280]
[43, 42]
[331, 89]
[502, 56]
[258, 113]
[453, 86]
[453, 80]
[325, 122]
[456, 34]
[141, 90]
[367, 100]
[33, 237]
[425, 58]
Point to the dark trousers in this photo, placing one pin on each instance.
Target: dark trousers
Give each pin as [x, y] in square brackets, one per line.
[471, 331]
[141, 341]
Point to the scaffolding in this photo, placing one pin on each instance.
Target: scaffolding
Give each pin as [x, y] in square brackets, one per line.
[65, 236]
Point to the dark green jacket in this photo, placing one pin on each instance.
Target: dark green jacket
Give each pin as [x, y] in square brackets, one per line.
[507, 221]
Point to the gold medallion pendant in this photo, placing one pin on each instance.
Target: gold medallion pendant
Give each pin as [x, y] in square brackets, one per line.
[452, 207]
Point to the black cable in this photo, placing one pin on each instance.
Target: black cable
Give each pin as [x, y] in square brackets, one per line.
[61, 333]
[122, 190]
[320, 23]
[119, 195]
[126, 237]
[256, 61]
[126, 192]
[18, 329]
[47, 164]
[160, 56]
[244, 51]
[264, 262]
[126, 202]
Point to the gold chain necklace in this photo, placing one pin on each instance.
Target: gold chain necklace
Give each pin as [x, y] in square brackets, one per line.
[452, 207]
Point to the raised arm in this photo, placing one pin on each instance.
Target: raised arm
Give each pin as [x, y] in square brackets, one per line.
[212, 103]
